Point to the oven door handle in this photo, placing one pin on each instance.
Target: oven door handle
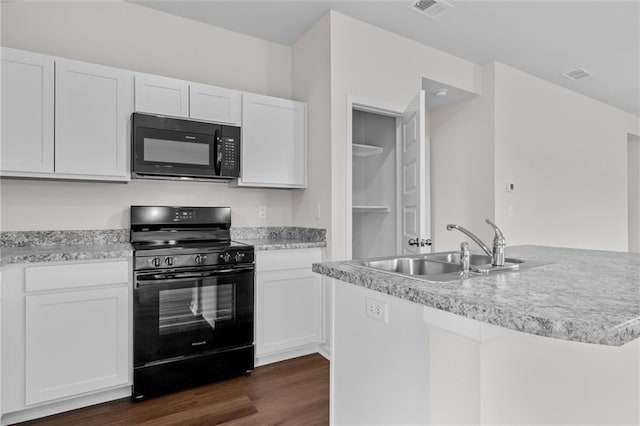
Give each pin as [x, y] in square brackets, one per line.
[168, 278]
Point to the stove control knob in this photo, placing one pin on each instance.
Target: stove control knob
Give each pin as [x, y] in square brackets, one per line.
[239, 256]
[225, 257]
[169, 261]
[155, 261]
[199, 259]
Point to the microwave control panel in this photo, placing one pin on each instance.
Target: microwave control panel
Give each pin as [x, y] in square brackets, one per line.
[229, 160]
[229, 142]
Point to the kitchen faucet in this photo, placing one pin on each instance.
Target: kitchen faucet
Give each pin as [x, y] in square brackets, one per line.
[497, 254]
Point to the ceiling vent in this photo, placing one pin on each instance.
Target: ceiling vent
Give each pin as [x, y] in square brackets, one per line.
[430, 8]
[577, 74]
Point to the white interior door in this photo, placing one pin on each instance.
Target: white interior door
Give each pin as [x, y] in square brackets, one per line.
[415, 216]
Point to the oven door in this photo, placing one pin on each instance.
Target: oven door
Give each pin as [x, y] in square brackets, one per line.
[178, 314]
[175, 153]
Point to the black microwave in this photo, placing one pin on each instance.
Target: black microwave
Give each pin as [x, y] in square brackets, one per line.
[174, 148]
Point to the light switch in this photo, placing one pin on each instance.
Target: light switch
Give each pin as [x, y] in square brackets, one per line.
[511, 186]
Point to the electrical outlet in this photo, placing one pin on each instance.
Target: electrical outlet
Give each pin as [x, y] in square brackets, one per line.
[316, 212]
[262, 212]
[377, 310]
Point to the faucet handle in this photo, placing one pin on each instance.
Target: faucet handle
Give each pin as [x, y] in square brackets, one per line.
[499, 244]
[498, 239]
[465, 258]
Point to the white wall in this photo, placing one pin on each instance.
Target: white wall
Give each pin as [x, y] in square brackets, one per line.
[311, 60]
[462, 164]
[633, 176]
[29, 205]
[567, 155]
[126, 35]
[134, 37]
[372, 63]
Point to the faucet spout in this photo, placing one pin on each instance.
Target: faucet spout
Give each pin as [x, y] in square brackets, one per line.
[475, 239]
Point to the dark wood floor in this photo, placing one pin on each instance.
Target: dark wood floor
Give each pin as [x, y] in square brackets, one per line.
[294, 392]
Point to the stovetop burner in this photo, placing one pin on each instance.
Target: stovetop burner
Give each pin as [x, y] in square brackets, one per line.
[178, 245]
[173, 237]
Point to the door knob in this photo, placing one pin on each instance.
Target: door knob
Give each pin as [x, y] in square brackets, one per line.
[420, 242]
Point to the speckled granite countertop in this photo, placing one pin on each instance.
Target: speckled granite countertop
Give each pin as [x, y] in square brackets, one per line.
[585, 296]
[59, 246]
[56, 246]
[280, 238]
[19, 255]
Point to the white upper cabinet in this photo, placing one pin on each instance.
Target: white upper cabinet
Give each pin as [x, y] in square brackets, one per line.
[213, 103]
[64, 119]
[273, 142]
[27, 112]
[161, 95]
[93, 109]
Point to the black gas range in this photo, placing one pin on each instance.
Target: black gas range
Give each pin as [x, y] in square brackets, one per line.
[193, 299]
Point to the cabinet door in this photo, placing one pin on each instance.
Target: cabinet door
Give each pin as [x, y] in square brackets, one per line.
[27, 112]
[93, 110]
[161, 95]
[273, 142]
[288, 310]
[213, 103]
[76, 342]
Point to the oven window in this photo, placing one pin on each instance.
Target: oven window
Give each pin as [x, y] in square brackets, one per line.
[195, 308]
[180, 152]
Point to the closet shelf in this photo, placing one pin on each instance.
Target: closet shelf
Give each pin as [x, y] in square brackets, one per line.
[371, 209]
[360, 150]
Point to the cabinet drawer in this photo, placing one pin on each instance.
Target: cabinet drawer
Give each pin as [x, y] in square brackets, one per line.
[57, 277]
[287, 259]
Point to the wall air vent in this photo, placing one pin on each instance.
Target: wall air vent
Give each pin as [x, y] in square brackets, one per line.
[577, 74]
[430, 8]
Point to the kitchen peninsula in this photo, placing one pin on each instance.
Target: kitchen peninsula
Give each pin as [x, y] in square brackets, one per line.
[554, 344]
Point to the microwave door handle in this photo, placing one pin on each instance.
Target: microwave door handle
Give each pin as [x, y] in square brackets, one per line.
[217, 153]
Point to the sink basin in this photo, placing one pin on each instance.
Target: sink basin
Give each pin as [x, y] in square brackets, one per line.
[443, 266]
[454, 257]
[475, 259]
[413, 266]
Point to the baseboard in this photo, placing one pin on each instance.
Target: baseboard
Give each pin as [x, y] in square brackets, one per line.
[288, 354]
[62, 406]
[325, 351]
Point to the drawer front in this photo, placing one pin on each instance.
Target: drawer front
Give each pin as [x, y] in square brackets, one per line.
[58, 277]
[274, 260]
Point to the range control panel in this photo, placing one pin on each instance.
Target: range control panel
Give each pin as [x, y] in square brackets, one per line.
[170, 260]
[184, 214]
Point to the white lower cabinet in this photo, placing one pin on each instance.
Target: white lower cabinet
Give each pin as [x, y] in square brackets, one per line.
[66, 338]
[289, 304]
[77, 342]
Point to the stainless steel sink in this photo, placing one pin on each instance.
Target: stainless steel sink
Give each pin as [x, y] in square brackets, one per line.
[454, 257]
[412, 266]
[443, 266]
